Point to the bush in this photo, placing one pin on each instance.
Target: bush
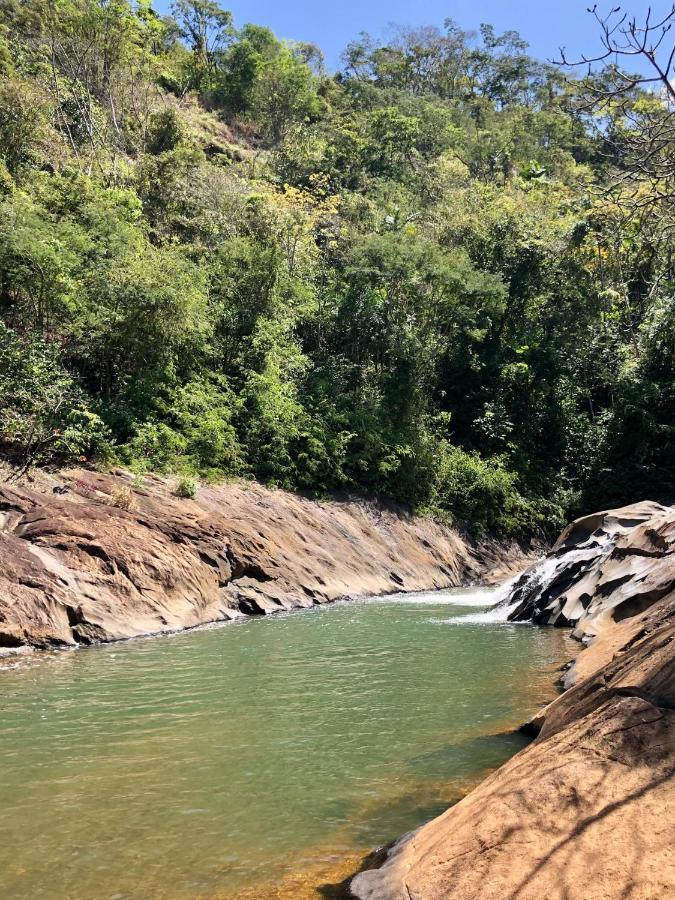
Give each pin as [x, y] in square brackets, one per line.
[481, 494]
[197, 434]
[203, 411]
[154, 445]
[186, 487]
[122, 497]
[165, 131]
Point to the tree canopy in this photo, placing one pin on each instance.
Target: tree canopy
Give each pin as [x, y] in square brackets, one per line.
[442, 275]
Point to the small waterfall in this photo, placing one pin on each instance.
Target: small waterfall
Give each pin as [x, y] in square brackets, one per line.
[537, 594]
[498, 611]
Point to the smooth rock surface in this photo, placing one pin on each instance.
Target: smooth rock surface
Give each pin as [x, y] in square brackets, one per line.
[76, 568]
[586, 811]
[586, 814]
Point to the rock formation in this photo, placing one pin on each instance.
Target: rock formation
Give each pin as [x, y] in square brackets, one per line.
[95, 557]
[602, 569]
[586, 811]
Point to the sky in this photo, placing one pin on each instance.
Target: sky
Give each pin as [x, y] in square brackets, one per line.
[545, 24]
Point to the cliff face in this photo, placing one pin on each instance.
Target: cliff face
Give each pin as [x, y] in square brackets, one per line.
[586, 810]
[77, 568]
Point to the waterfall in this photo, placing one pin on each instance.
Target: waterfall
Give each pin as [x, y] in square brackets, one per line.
[538, 594]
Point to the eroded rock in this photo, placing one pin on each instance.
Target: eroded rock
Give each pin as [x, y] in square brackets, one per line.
[581, 815]
[75, 568]
[584, 812]
[603, 568]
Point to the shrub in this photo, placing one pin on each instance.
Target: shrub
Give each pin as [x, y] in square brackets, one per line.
[481, 494]
[198, 436]
[186, 487]
[44, 414]
[154, 445]
[165, 131]
[203, 410]
[122, 497]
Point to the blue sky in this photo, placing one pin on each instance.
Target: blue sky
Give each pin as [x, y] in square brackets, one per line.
[331, 25]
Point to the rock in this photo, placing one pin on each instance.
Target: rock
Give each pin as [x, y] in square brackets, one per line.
[581, 815]
[584, 812]
[603, 568]
[75, 569]
[639, 661]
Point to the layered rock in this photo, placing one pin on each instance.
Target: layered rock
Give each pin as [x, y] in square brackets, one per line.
[585, 811]
[585, 815]
[603, 568]
[95, 557]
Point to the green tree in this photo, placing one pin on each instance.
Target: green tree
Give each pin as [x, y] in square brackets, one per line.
[207, 29]
[283, 94]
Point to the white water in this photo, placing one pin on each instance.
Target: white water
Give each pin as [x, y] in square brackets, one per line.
[494, 616]
[476, 595]
[480, 596]
[535, 580]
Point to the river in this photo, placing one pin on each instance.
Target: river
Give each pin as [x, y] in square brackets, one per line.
[259, 759]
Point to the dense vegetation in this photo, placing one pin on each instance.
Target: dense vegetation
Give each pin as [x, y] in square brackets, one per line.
[420, 277]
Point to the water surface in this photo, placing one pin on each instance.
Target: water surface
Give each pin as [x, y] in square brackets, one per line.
[259, 759]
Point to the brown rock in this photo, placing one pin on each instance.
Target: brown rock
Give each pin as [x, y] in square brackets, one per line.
[76, 569]
[603, 568]
[584, 814]
[585, 811]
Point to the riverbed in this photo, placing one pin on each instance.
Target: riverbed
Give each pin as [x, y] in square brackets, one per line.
[258, 759]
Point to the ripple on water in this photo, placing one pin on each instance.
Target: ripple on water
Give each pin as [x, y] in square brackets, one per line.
[220, 761]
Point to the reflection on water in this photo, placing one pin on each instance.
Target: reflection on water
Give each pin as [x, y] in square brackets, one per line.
[259, 759]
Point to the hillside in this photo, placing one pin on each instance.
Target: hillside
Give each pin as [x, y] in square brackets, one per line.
[424, 276]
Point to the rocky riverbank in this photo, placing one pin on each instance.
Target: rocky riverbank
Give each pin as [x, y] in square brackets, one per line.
[87, 557]
[585, 811]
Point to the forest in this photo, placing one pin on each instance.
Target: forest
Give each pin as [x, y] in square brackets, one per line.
[442, 276]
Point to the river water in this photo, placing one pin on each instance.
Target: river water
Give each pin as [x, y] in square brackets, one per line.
[260, 759]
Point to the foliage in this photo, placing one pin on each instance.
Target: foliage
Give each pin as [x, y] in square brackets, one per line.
[442, 274]
[122, 498]
[44, 415]
[186, 487]
[283, 94]
[483, 492]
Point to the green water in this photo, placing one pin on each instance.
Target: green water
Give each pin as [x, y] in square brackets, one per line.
[259, 759]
